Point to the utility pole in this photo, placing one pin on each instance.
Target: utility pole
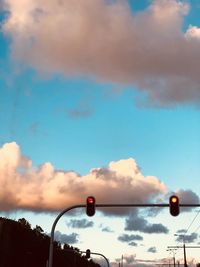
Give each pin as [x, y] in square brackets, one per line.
[184, 251]
[173, 251]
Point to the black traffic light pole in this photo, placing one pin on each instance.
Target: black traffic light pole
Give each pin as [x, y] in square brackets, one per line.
[50, 261]
[95, 253]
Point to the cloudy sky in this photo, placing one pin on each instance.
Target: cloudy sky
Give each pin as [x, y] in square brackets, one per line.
[102, 97]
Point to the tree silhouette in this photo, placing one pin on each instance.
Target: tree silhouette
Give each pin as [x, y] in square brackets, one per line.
[22, 246]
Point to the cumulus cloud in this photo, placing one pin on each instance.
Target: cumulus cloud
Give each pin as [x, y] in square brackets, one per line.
[107, 41]
[152, 250]
[106, 229]
[136, 223]
[83, 223]
[23, 186]
[130, 239]
[193, 32]
[188, 196]
[129, 259]
[68, 239]
[187, 238]
[181, 231]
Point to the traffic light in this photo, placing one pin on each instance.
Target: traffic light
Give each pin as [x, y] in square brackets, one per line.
[174, 205]
[90, 206]
[87, 254]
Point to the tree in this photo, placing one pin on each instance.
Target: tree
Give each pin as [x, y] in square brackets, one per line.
[38, 230]
[24, 223]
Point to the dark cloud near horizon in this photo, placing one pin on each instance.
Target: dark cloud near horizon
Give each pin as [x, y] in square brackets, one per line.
[83, 223]
[181, 231]
[187, 238]
[128, 238]
[136, 223]
[129, 259]
[107, 229]
[68, 239]
[152, 250]
[133, 244]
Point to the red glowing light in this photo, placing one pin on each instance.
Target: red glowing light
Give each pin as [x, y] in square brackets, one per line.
[90, 200]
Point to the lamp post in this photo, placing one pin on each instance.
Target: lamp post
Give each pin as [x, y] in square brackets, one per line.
[184, 250]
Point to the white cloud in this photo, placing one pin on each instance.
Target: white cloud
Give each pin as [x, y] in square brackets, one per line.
[105, 40]
[43, 188]
[193, 32]
[23, 186]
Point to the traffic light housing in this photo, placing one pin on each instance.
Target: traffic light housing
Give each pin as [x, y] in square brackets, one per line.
[174, 205]
[90, 206]
[87, 254]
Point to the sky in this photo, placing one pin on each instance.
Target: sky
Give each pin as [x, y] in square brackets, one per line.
[102, 97]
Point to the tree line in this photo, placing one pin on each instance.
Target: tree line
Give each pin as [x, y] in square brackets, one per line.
[22, 246]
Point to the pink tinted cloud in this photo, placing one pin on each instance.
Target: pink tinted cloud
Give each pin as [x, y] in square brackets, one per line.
[23, 186]
[107, 41]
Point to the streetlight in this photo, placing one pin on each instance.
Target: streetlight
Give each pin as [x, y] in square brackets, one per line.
[184, 250]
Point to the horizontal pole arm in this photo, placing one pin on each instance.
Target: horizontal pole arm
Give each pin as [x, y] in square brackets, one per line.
[185, 247]
[144, 205]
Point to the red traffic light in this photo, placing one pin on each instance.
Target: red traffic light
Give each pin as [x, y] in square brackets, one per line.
[90, 200]
[90, 206]
[174, 205]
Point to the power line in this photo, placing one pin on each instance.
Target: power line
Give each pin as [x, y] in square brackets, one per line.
[183, 236]
[197, 229]
[191, 223]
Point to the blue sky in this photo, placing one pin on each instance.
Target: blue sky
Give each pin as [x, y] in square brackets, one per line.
[107, 106]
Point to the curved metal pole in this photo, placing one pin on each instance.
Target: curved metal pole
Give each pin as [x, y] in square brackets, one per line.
[53, 229]
[102, 256]
[95, 253]
[50, 262]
